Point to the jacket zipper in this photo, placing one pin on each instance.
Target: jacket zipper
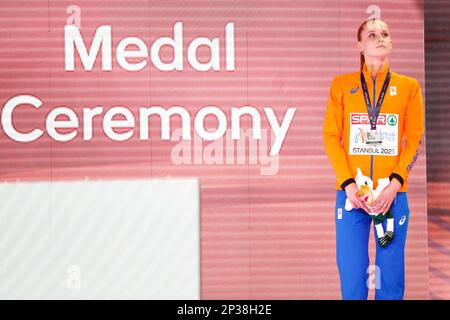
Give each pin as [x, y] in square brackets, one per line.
[373, 107]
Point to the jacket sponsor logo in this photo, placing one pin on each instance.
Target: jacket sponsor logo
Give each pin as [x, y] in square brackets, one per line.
[411, 164]
[393, 90]
[352, 91]
[402, 220]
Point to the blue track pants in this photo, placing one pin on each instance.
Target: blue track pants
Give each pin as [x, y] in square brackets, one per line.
[352, 241]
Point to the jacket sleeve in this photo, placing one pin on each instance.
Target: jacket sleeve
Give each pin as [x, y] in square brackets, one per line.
[332, 135]
[412, 134]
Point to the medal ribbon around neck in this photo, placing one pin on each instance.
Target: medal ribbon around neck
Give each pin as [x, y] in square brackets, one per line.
[373, 113]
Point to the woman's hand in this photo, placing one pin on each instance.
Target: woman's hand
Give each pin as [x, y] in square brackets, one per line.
[356, 203]
[386, 197]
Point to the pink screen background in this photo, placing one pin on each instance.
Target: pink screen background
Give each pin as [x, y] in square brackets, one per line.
[262, 237]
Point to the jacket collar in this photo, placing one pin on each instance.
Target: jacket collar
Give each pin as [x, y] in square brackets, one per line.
[380, 76]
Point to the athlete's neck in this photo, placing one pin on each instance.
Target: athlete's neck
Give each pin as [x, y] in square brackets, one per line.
[376, 65]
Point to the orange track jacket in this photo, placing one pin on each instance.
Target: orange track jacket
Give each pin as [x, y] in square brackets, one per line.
[400, 124]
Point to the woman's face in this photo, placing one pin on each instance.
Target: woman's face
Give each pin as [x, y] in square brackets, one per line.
[375, 40]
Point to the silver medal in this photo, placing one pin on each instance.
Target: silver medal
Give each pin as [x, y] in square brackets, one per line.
[373, 137]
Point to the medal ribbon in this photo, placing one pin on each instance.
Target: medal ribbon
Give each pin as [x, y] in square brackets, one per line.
[373, 113]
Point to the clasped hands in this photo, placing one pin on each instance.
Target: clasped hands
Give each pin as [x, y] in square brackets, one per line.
[380, 205]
